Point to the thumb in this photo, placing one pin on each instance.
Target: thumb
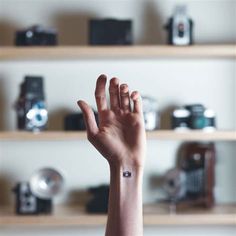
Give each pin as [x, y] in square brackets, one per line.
[89, 118]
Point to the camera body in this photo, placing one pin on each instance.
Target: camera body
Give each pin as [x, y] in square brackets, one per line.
[31, 109]
[99, 200]
[35, 196]
[110, 32]
[29, 204]
[36, 36]
[194, 116]
[180, 28]
[75, 121]
[197, 161]
[192, 181]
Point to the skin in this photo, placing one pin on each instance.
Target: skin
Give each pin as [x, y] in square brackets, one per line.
[120, 138]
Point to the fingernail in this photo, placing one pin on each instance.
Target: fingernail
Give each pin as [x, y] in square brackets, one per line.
[123, 86]
[102, 76]
[135, 95]
[115, 80]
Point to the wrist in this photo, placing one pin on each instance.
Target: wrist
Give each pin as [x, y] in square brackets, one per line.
[121, 168]
[134, 161]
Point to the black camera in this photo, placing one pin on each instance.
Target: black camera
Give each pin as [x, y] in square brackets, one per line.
[31, 110]
[194, 116]
[110, 32]
[29, 204]
[75, 121]
[99, 200]
[36, 36]
[35, 196]
[180, 28]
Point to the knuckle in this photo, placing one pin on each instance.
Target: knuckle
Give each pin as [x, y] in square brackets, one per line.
[113, 91]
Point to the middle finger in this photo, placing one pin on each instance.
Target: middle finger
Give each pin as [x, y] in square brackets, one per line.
[100, 93]
[114, 94]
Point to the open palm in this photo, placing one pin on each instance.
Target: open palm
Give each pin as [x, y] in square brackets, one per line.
[120, 137]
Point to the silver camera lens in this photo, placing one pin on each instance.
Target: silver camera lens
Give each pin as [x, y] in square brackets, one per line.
[46, 183]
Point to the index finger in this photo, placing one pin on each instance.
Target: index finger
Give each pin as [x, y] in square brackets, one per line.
[100, 93]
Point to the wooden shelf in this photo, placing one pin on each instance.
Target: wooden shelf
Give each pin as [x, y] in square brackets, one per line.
[193, 135]
[137, 51]
[154, 135]
[154, 215]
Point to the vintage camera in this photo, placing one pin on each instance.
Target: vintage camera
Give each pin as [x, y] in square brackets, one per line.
[110, 32]
[28, 203]
[36, 36]
[150, 113]
[35, 196]
[192, 181]
[180, 28]
[31, 110]
[76, 121]
[194, 116]
[197, 160]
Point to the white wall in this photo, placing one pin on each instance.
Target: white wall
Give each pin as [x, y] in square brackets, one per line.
[172, 82]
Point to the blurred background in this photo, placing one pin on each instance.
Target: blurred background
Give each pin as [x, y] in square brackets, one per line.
[171, 81]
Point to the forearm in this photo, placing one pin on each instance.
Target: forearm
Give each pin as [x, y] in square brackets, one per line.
[121, 130]
[125, 202]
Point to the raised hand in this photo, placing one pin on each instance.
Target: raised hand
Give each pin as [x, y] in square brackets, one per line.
[120, 136]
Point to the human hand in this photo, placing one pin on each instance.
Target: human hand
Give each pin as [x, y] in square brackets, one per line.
[120, 136]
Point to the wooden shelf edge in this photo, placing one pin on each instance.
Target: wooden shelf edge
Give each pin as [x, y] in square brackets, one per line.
[184, 220]
[193, 135]
[42, 136]
[206, 217]
[219, 135]
[133, 51]
[96, 221]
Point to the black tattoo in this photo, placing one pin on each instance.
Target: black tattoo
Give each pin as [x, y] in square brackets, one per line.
[126, 174]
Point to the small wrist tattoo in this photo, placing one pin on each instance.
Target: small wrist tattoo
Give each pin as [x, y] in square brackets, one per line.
[126, 174]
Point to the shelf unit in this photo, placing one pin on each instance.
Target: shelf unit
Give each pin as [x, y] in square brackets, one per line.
[154, 215]
[152, 135]
[135, 51]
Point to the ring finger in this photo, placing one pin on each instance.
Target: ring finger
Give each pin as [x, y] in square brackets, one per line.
[124, 98]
